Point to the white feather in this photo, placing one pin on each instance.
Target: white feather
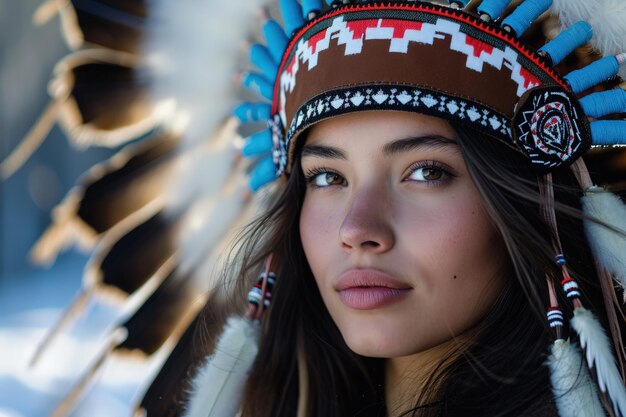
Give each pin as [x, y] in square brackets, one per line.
[608, 246]
[194, 49]
[607, 17]
[218, 387]
[599, 357]
[208, 221]
[574, 391]
[203, 170]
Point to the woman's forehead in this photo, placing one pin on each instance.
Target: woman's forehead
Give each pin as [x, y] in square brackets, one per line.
[354, 129]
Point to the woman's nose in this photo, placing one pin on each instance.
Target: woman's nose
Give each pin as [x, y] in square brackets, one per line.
[367, 225]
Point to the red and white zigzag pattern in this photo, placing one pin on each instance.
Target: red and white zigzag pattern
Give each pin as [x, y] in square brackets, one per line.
[400, 33]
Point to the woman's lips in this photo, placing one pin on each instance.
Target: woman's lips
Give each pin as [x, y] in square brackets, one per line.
[367, 289]
[369, 298]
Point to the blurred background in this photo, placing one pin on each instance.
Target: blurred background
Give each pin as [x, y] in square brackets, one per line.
[156, 248]
[33, 297]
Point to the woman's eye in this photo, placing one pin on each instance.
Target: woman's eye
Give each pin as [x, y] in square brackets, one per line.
[325, 179]
[428, 173]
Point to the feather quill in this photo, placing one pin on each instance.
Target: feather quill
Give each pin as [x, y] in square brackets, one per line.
[574, 391]
[609, 246]
[218, 386]
[599, 357]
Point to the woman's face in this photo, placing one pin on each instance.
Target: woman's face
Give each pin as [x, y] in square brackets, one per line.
[402, 250]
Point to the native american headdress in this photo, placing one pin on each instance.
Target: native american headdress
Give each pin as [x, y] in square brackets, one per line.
[507, 69]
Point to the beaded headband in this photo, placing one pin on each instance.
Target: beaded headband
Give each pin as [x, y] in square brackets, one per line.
[356, 58]
[463, 68]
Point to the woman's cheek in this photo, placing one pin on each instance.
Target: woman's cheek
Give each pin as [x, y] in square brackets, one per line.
[317, 220]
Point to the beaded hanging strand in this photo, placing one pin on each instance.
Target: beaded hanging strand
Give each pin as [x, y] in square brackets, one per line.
[574, 392]
[569, 284]
[260, 296]
[592, 338]
[554, 314]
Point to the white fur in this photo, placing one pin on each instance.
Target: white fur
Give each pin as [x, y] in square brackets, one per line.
[609, 247]
[219, 384]
[607, 17]
[574, 391]
[610, 30]
[599, 356]
[572, 11]
[610, 37]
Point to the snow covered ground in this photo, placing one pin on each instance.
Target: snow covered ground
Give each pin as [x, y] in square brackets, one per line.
[28, 308]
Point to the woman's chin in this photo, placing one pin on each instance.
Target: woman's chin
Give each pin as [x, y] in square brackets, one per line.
[390, 338]
[381, 344]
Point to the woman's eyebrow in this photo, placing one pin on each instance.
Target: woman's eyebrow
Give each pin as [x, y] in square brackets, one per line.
[323, 152]
[391, 148]
[413, 143]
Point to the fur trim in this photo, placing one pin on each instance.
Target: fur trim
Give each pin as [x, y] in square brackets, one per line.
[219, 384]
[574, 391]
[610, 31]
[607, 18]
[572, 11]
[599, 357]
[609, 247]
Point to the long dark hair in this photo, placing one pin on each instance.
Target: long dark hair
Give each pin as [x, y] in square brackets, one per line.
[304, 367]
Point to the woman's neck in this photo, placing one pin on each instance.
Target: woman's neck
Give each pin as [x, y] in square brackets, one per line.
[409, 379]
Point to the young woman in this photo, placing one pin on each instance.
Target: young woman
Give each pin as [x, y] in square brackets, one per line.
[414, 244]
[412, 274]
